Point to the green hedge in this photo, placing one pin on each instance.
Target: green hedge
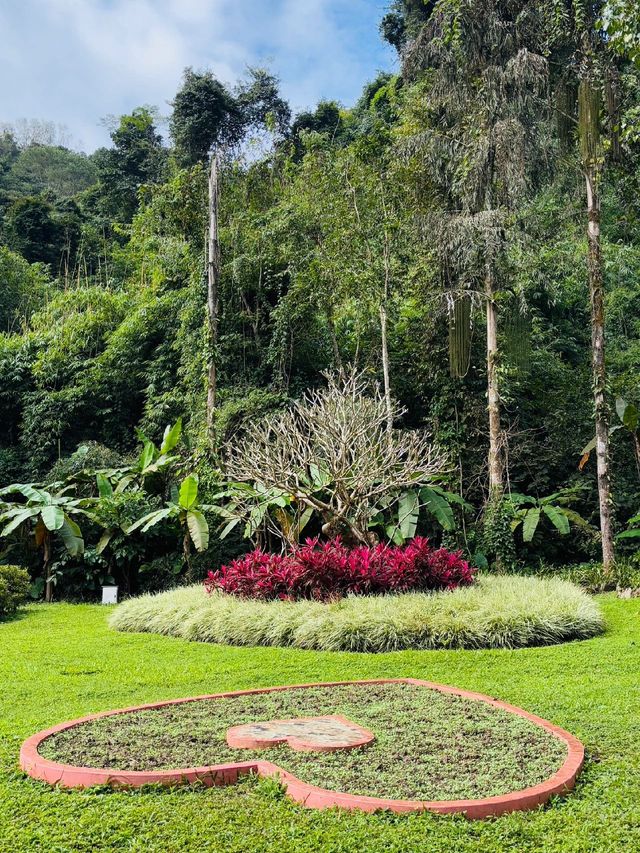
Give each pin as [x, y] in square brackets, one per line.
[14, 589]
[497, 612]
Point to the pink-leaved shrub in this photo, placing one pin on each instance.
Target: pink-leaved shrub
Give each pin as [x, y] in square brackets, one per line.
[329, 570]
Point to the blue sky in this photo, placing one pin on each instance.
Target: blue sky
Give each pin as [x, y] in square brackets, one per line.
[76, 61]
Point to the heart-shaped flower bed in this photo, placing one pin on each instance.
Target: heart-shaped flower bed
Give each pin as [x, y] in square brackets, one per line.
[432, 747]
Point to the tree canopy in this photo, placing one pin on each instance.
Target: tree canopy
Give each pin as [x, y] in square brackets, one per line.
[433, 237]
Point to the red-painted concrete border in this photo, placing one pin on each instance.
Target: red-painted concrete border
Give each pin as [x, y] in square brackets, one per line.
[238, 737]
[311, 796]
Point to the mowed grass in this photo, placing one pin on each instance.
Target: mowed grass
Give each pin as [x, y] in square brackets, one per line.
[61, 661]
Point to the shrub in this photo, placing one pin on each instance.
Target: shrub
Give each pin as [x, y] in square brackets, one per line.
[14, 589]
[87, 457]
[495, 612]
[300, 453]
[331, 570]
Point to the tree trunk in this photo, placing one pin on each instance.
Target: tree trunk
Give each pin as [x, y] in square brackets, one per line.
[48, 589]
[385, 364]
[337, 358]
[596, 293]
[496, 469]
[186, 553]
[384, 327]
[213, 281]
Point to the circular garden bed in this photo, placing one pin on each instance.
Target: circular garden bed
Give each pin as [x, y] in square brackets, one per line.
[494, 612]
[431, 747]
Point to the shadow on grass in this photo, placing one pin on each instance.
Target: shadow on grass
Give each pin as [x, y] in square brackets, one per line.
[7, 618]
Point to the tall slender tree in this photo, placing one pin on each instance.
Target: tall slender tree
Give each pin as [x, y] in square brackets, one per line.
[208, 120]
[473, 131]
[349, 250]
[213, 287]
[591, 156]
[137, 158]
[591, 73]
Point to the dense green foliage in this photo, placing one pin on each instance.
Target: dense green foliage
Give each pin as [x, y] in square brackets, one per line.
[24, 287]
[348, 236]
[496, 612]
[63, 663]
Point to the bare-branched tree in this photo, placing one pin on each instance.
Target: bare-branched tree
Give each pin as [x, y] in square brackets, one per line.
[332, 453]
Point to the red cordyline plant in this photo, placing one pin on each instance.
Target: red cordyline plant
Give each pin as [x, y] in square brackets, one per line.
[329, 570]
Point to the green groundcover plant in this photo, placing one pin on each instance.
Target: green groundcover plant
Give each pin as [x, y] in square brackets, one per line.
[428, 745]
[496, 612]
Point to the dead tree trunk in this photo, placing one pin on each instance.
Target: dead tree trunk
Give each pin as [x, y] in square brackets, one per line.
[213, 282]
[496, 468]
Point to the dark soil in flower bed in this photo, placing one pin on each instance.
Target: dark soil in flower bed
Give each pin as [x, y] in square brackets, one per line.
[429, 745]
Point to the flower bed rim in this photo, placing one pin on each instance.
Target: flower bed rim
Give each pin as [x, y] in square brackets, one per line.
[310, 796]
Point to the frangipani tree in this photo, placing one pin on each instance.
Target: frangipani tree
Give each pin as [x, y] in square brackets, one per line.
[333, 454]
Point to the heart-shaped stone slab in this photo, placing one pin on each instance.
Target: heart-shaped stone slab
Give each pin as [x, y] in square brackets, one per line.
[302, 734]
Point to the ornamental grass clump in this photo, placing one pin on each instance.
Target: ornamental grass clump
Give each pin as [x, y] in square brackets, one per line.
[330, 570]
[495, 612]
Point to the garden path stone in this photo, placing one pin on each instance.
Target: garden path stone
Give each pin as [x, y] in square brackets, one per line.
[302, 734]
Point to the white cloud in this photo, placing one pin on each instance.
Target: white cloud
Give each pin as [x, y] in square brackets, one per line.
[74, 61]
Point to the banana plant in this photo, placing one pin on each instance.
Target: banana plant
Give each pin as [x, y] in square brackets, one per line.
[44, 514]
[187, 511]
[528, 512]
[629, 417]
[152, 459]
[437, 502]
[633, 529]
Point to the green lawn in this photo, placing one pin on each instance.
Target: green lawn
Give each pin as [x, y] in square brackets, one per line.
[60, 661]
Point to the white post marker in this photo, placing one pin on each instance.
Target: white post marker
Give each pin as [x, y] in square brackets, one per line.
[109, 594]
